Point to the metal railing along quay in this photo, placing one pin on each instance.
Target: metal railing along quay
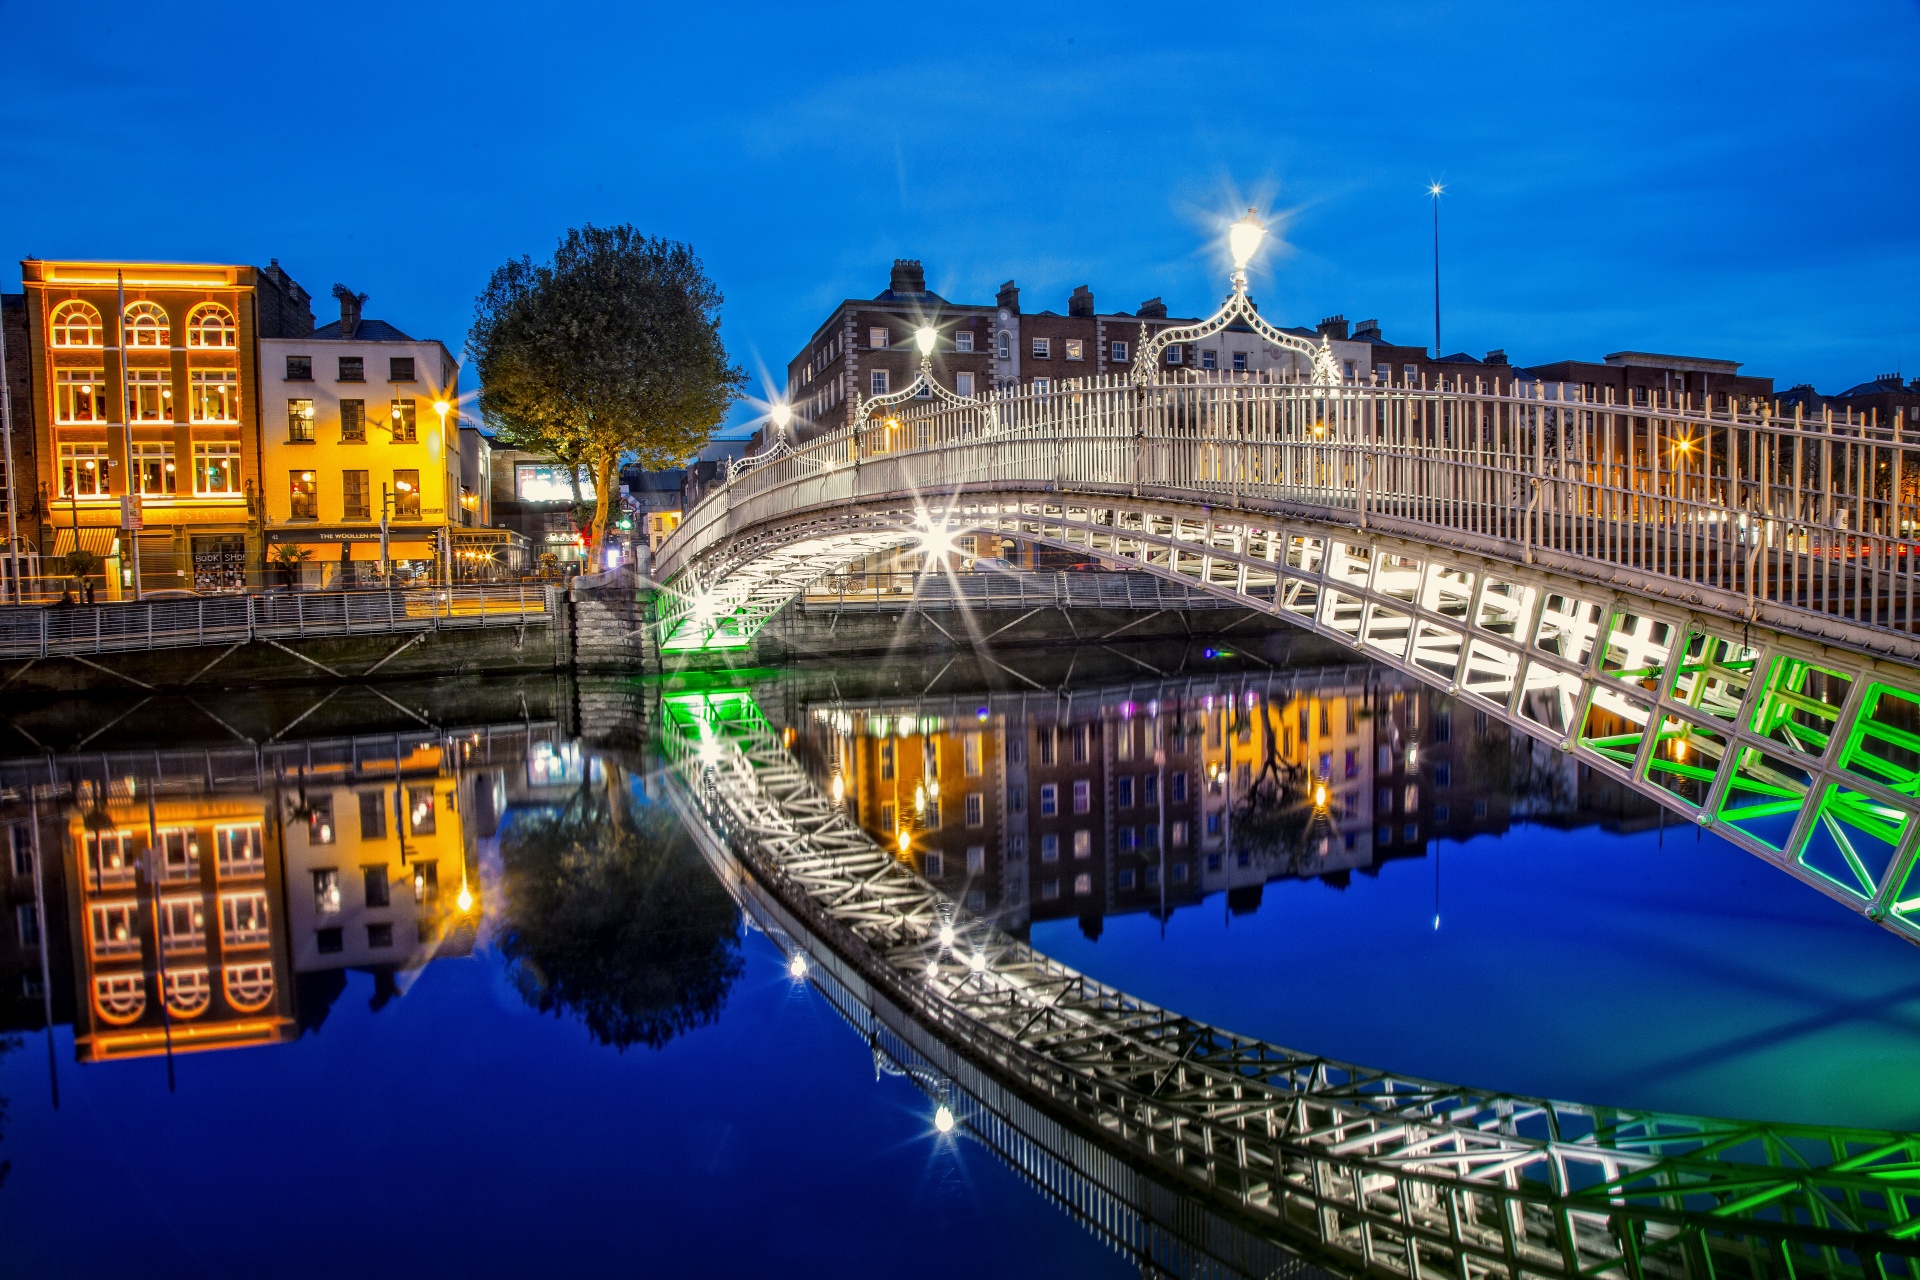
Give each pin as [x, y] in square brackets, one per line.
[123, 627]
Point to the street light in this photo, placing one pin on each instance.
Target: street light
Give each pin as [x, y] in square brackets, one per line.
[925, 338]
[1243, 241]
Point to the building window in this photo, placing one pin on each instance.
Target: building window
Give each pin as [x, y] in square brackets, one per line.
[236, 851]
[1213, 824]
[1177, 788]
[1209, 359]
[1050, 847]
[1083, 843]
[1442, 776]
[1082, 885]
[373, 804]
[935, 864]
[1173, 354]
[1076, 349]
[20, 837]
[886, 761]
[1119, 352]
[83, 469]
[1042, 386]
[326, 892]
[877, 336]
[114, 930]
[1240, 363]
[1049, 800]
[299, 368]
[970, 755]
[406, 495]
[1150, 838]
[877, 382]
[352, 369]
[79, 395]
[1049, 890]
[380, 935]
[374, 884]
[354, 501]
[1479, 808]
[26, 919]
[1042, 348]
[149, 398]
[1178, 836]
[328, 942]
[1005, 346]
[353, 419]
[963, 383]
[963, 340]
[1149, 790]
[1123, 793]
[420, 811]
[402, 421]
[1016, 799]
[146, 326]
[243, 919]
[1126, 879]
[400, 369]
[77, 324]
[216, 466]
[976, 809]
[215, 395]
[886, 817]
[299, 422]
[303, 495]
[1082, 796]
[1129, 839]
[210, 326]
[1082, 743]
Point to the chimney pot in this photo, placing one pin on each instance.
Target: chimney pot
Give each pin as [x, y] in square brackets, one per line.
[1081, 302]
[1008, 297]
[908, 277]
[350, 306]
[1334, 327]
[1153, 309]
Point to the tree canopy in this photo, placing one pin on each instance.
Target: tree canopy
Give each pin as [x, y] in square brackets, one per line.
[610, 350]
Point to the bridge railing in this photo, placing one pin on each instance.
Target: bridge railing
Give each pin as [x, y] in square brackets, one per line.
[1817, 516]
[127, 626]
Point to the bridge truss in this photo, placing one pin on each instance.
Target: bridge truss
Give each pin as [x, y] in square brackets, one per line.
[1360, 1171]
[1731, 638]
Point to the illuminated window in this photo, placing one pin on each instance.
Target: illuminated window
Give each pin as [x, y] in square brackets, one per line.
[210, 326]
[1082, 885]
[236, 851]
[147, 327]
[406, 495]
[215, 395]
[188, 992]
[1076, 349]
[115, 929]
[183, 923]
[299, 422]
[303, 496]
[546, 482]
[216, 466]
[120, 997]
[420, 811]
[1178, 835]
[970, 755]
[83, 469]
[79, 395]
[77, 324]
[149, 397]
[179, 855]
[402, 421]
[1082, 796]
[356, 504]
[243, 919]
[249, 986]
[976, 859]
[153, 466]
[353, 419]
[1083, 843]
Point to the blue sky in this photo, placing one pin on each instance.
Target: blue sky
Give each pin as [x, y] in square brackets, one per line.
[1739, 182]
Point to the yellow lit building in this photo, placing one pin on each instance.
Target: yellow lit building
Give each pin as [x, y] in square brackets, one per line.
[188, 905]
[361, 419]
[145, 382]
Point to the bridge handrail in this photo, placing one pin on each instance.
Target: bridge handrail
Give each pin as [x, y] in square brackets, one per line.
[1816, 517]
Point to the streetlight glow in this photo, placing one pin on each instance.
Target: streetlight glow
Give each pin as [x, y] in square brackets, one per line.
[781, 413]
[946, 935]
[1320, 796]
[465, 899]
[1243, 240]
[442, 408]
[797, 966]
[925, 337]
[943, 1118]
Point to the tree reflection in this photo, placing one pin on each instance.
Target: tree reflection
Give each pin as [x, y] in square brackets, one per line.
[613, 916]
[1274, 815]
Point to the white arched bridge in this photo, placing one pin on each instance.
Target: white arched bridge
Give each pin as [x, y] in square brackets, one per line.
[1713, 604]
[1209, 1153]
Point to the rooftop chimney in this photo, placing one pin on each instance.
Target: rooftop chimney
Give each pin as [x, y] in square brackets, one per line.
[350, 304]
[1008, 297]
[907, 276]
[1368, 329]
[1334, 327]
[1081, 303]
[1153, 309]
[1497, 356]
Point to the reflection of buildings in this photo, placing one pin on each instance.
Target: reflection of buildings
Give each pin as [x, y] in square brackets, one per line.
[1150, 797]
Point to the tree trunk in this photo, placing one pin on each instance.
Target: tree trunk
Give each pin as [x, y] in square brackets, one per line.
[606, 478]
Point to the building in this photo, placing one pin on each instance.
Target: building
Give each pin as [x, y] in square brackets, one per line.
[535, 497]
[1886, 402]
[361, 427]
[19, 493]
[1644, 379]
[161, 401]
[653, 498]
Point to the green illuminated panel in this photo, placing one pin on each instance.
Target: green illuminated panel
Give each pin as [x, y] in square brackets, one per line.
[1800, 704]
[1685, 759]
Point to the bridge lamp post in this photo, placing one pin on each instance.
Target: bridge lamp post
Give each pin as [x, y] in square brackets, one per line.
[781, 415]
[1243, 241]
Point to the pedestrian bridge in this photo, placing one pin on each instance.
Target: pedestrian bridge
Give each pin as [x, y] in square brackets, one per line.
[1209, 1153]
[1712, 604]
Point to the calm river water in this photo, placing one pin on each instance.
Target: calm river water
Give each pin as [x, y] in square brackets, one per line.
[425, 980]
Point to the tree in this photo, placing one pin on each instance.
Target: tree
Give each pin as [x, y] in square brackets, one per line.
[81, 564]
[614, 916]
[288, 559]
[610, 350]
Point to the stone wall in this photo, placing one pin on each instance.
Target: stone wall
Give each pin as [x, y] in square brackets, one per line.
[608, 622]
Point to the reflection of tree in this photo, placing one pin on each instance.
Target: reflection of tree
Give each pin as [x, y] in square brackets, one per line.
[1539, 779]
[614, 916]
[1274, 817]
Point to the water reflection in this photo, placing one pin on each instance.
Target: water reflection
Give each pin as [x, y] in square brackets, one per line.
[1148, 797]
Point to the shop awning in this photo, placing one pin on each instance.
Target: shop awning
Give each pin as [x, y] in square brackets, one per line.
[103, 542]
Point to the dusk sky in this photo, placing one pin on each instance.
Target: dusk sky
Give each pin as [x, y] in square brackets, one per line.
[1740, 182]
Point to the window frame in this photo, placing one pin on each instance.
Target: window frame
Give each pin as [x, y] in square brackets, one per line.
[1041, 348]
[76, 315]
[212, 319]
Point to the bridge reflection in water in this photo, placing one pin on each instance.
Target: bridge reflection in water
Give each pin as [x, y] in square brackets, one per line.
[1350, 1169]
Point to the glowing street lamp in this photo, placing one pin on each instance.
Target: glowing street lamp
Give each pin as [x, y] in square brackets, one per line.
[1243, 241]
[797, 966]
[925, 338]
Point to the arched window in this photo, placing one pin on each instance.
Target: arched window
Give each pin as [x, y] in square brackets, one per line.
[120, 998]
[249, 986]
[147, 326]
[1004, 346]
[188, 992]
[211, 325]
[76, 324]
